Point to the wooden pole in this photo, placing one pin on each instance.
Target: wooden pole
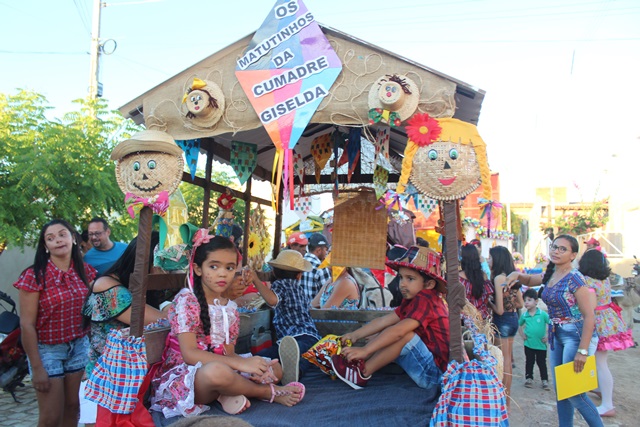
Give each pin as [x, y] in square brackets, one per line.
[247, 223]
[277, 239]
[455, 290]
[139, 277]
[207, 189]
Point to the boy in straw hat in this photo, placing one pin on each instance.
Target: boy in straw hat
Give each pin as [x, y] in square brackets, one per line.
[415, 335]
[295, 329]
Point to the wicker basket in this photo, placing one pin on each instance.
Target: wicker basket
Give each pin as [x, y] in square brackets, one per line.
[359, 235]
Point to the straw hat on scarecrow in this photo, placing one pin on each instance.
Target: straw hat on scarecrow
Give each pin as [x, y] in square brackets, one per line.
[392, 99]
[204, 103]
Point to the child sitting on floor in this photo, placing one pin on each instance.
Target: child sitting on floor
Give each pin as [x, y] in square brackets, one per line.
[200, 364]
[415, 335]
[295, 330]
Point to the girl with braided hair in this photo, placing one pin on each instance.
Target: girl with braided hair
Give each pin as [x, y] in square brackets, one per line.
[200, 364]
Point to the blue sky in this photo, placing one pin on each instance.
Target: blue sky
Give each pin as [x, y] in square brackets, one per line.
[561, 76]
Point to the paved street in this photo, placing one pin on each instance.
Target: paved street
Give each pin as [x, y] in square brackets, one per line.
[23, 414]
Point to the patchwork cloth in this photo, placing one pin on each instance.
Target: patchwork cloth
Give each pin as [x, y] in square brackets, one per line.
[472, 394]
[115, 381]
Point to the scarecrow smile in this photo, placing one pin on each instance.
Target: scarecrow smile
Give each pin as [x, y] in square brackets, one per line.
[447, 181]
[147, 189]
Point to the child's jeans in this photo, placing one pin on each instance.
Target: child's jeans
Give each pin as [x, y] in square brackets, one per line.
[539, 357]
[418, 362]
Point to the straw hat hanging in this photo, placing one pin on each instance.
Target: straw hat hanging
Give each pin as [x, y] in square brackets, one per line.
[203, 103]
[392, 99]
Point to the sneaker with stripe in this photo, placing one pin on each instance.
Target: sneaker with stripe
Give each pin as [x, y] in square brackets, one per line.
[349, 372]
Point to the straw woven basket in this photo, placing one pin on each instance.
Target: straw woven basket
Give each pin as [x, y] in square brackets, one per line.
[359, 231]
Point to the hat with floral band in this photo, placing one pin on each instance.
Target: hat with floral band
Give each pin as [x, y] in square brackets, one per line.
[424, 260]
[291, 260]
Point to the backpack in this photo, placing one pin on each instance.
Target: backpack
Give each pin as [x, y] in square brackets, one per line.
[372, 294]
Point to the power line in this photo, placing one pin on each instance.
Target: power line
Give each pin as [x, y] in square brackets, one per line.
[33, 52]
[82, 15]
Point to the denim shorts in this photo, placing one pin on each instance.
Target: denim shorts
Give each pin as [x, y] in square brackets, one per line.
[506, 323]
[65, 358]
[418, 362]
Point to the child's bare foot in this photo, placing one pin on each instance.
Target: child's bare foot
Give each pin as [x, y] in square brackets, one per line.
[288, 395]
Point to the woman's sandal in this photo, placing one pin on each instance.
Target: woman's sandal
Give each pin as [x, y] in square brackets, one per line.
[277, 393]
[232, 405]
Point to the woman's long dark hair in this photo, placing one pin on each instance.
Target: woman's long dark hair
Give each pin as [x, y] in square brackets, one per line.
[124, 266]
[551, 267]
[594, 264]
[501, 261]
[470, 263]
[202, 251]
[42, 256]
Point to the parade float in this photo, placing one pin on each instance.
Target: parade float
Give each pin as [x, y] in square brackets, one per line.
[311, 109]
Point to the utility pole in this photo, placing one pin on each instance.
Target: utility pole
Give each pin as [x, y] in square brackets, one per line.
[94, 85]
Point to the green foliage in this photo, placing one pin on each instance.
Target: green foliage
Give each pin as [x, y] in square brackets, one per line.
[577, 223]
[58, 168]
[194, 197]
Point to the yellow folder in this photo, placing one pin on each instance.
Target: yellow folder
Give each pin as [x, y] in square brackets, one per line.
[569, 383]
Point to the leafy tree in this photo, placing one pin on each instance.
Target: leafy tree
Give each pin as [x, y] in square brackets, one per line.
[58, 168]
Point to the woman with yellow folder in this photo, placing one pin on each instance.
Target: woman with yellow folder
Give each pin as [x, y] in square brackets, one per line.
[571, 307]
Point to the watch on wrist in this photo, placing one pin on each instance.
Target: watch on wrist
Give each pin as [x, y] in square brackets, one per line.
[583, 352]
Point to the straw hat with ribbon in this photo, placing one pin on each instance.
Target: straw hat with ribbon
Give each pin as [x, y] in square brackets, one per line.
[392, 99]
[291, 260]
[148, 169]
[204, 103]
[424, 260]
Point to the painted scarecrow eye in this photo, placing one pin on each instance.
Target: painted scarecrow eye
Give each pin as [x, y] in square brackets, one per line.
[388, 88]
[393, 89]
[152, 164]
[136, 166]
[453, 153]
[193, 99]
[433, 154]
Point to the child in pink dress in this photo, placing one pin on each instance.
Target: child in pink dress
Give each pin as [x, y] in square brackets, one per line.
[200, 367]
[612, 331]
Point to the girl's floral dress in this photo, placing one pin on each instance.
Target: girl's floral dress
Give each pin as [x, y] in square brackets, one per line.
[612, 331]
[174, 383]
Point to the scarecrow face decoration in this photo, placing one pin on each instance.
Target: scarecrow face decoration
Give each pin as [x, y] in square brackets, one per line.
[145, 173]
[204, 102]
[149, 163]
[446, 169]
[392, 99]
[445, 159]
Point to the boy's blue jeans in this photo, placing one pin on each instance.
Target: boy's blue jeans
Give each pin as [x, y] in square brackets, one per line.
[566, 342]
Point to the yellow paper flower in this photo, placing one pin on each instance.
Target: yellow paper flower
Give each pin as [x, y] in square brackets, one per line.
[253, 248]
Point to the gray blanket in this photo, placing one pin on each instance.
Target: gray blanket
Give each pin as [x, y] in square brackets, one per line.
[388, 400]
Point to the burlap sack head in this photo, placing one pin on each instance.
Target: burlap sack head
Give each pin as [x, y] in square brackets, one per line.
[148, 163]
[203, 103]
[395, 93]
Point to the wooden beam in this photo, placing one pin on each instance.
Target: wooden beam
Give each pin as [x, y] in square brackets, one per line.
[207, 191]
[139, 278]
[159, 282]
[456, 294]
[201, 182]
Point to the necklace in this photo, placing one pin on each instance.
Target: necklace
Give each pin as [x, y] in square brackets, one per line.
[558, 275]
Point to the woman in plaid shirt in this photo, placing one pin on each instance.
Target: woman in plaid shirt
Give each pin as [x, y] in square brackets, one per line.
[52, 292]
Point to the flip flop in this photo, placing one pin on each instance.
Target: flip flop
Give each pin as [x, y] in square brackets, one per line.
[300, 387]
[232, 405]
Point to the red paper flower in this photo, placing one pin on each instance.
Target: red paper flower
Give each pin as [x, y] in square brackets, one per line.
[423, 129]
[226, 201]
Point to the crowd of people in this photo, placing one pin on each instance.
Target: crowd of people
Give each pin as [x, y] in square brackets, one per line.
[71, 299]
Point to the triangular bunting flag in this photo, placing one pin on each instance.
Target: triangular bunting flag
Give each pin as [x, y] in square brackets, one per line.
[191, 150]
[380, 180]
[243, 159]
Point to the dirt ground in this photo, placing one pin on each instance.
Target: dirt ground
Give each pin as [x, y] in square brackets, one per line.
[536, 407]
